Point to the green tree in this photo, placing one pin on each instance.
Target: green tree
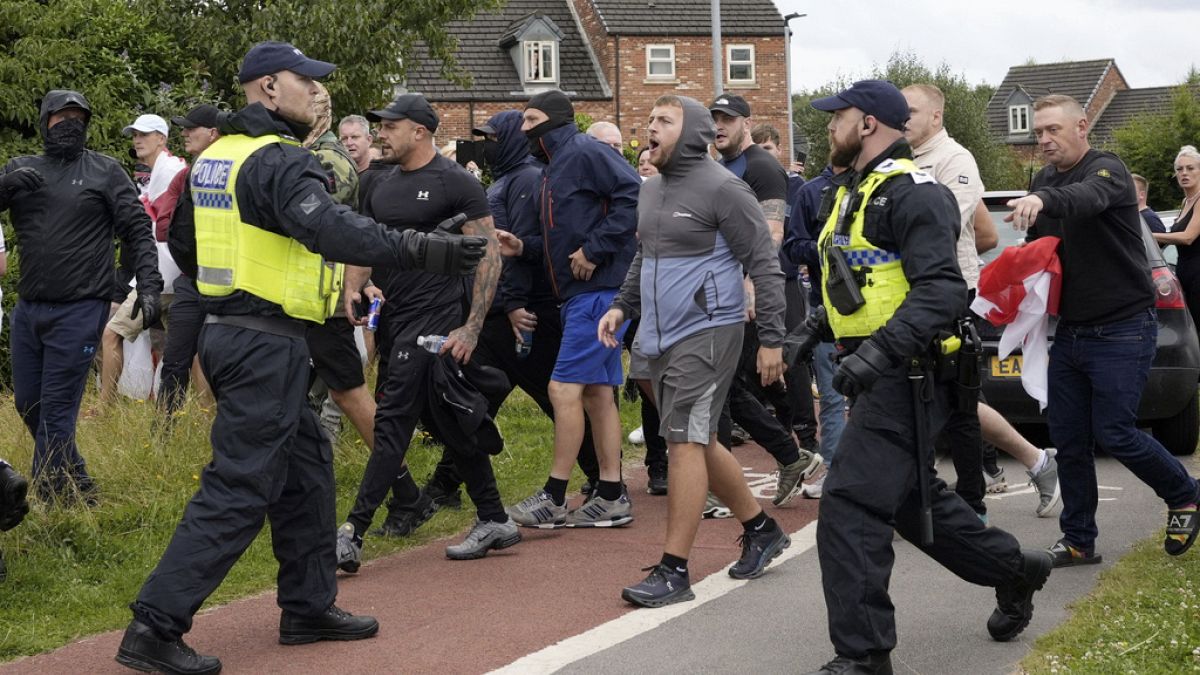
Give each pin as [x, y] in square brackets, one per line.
[1148, 144]
[965, 117]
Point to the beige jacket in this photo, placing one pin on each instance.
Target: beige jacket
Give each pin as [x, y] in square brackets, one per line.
[953, 166]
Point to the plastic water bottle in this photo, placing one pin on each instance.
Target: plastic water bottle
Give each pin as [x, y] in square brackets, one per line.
[431, 343]
[525, 345]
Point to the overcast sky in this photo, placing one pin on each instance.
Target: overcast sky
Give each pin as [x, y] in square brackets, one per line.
[1154, 42]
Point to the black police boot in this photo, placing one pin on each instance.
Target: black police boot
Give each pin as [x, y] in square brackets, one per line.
[1014, 602]
[142, 649]
[874, 663]
[333, 624]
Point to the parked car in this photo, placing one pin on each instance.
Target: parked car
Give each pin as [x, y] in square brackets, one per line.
[1170, 399]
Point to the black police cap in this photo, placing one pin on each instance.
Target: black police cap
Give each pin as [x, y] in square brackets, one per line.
[267, 58]
[877, 98]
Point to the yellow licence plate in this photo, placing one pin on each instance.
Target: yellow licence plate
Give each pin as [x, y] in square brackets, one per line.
[1009, 367]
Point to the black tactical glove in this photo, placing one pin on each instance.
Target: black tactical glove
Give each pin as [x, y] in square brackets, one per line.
[148, 304]
[858, 371]
[24, 178]
[798, 345]
[13, 488]
[439, 252]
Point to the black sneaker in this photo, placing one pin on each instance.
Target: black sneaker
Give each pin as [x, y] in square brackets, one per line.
[13, 503]
[588, 487]
[758, 550]
[664, 586]
[334, 624]
[1014, 602]
[1066, 555]
[875, 663]
[403, 520]
[142, 649]
[657, 484]
[443, 498]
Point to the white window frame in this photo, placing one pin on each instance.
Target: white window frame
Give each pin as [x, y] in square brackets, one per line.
[729, 64]
[536, 49]
[1018, 119]
[650, 59]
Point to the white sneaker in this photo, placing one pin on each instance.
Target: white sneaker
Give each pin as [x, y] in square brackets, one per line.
[813, 490]
[637, 436]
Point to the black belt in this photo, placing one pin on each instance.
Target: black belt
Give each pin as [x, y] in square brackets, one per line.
[290, 328]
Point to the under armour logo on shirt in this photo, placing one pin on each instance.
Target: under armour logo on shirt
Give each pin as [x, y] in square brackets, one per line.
[423, 195]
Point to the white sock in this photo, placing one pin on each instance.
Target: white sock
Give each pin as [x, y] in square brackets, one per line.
[1041, 463]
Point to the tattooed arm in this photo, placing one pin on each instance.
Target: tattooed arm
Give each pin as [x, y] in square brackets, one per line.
[463, 340]
[775, 211]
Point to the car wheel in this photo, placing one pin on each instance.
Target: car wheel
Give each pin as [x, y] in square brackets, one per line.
[1180, 433]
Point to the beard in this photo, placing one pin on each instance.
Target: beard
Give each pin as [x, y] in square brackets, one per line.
[843, 153]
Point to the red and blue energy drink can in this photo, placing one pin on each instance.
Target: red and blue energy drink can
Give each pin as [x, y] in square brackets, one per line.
[373, 315]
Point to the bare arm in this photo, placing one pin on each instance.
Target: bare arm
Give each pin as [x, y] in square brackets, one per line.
[986, 237]
[463, 340]
[775, 211]
[1185, 236]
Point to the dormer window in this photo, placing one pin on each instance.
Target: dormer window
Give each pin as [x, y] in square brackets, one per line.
[1018, 119]
[541, 61]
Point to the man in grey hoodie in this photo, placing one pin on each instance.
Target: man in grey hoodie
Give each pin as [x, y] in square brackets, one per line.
[699, 226]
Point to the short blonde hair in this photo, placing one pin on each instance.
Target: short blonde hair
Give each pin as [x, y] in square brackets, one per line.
[1068, 104]
[1188, 151]
[931, 93]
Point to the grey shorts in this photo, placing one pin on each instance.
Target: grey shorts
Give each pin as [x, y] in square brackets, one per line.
[639, 365]
[691, 381]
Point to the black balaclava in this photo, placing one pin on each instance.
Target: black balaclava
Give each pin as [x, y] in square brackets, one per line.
[66, 139]
[558, 108]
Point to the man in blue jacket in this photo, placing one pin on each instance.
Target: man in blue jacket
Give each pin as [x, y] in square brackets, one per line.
[587, 206]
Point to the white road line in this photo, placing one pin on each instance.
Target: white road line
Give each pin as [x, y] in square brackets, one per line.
[639, 621]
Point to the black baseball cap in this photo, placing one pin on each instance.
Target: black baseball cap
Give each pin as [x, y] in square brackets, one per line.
[731, 104]
[484, 130]
[878, 98]
[203, 115]
[408, 107]
[266, 58]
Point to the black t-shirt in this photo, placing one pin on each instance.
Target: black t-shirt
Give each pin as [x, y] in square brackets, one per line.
[419, 200]
[761, 172]
[1093, 208]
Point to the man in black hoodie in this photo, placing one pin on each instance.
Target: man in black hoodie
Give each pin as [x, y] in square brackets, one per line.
[270, 458]
[66, 204]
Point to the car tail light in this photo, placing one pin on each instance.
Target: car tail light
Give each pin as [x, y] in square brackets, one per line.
[1168, 292]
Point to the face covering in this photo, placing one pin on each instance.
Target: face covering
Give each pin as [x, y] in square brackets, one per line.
[491, 152]
[535, 134]
[65, 140]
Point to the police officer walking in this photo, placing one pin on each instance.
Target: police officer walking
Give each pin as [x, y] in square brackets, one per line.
[891, 288]
[264, 225]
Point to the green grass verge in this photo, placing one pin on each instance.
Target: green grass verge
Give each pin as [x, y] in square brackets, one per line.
[1143, 617]
[73, 571]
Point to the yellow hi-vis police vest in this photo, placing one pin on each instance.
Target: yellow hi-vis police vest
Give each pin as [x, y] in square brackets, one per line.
[885, 286]
[234, 255]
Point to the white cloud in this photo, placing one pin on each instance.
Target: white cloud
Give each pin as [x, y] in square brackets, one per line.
[1152, 41]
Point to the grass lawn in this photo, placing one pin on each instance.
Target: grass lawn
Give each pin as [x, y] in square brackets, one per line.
[73, 572]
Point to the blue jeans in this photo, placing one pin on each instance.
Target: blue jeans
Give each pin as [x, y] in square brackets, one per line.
[833, 404]
[1096, 378]
[53, 345]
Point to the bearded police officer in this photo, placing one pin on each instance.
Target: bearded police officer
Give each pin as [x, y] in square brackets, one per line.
[264, 225]
[891, 288]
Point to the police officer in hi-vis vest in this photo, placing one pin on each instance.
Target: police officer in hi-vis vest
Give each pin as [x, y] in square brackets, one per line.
[265, 229]
[892, 291]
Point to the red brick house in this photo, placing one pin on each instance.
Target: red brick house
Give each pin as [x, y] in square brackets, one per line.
[612, 57]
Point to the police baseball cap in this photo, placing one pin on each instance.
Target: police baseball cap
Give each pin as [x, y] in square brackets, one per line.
[408, 107]
[732, 105]
[267, 58]
[203, 115]
[877, 98]
[146, 124]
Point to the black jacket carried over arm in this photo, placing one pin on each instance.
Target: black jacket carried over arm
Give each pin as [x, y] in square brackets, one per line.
[65, 229]
[920, 221]
[281, 188]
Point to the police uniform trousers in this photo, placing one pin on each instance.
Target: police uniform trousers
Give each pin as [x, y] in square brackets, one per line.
[871, 490]
[270, 460]
[498, 348]
[401, 405]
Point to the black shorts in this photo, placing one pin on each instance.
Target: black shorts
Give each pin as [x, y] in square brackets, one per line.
[335, 355]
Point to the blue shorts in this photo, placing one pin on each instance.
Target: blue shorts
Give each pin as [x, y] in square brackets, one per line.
[582, 359]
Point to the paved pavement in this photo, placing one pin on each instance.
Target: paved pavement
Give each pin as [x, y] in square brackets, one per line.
[551, 604]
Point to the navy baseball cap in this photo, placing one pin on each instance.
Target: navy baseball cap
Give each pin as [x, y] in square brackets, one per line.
[267, 58]
[408, 107]
[732, 105]
[878, 98]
